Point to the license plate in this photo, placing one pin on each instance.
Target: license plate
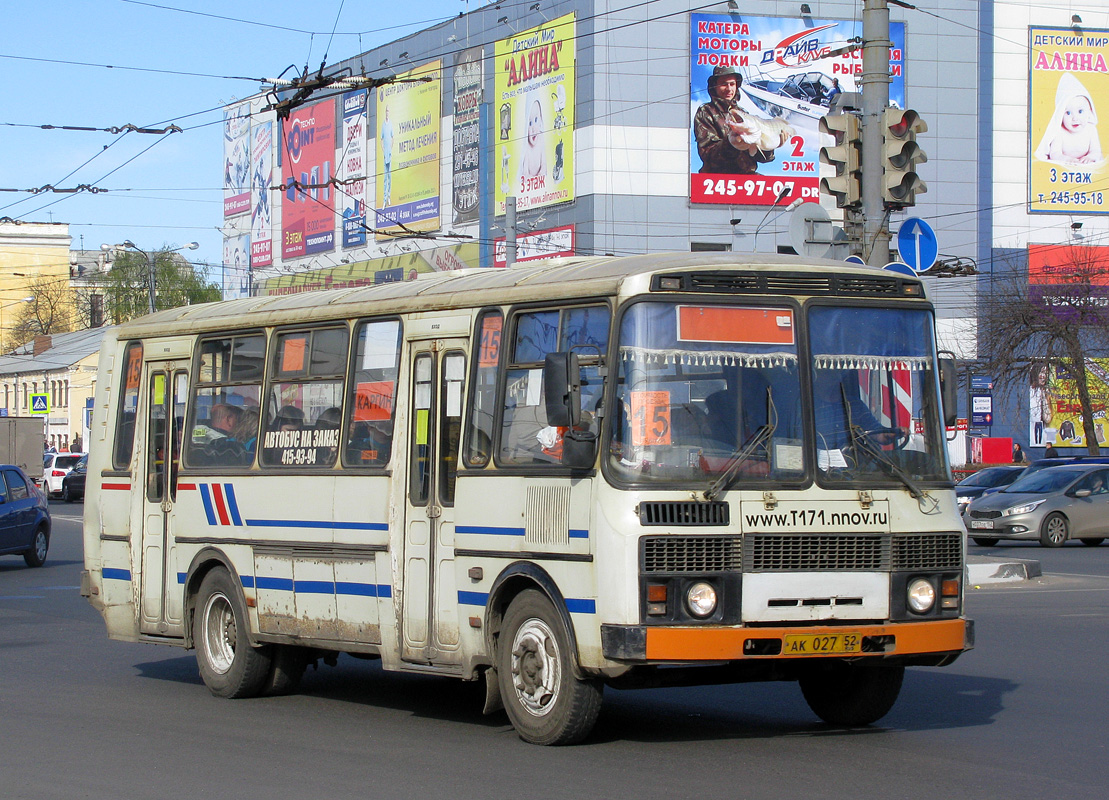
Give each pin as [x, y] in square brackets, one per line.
[981, 524]
[807, 644]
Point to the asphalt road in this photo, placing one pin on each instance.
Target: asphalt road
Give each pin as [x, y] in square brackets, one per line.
[1021, 716]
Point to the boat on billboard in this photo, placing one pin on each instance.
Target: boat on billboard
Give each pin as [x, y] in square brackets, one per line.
[759, 86]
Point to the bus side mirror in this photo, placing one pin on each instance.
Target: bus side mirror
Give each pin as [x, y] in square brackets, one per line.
[562, 389]
[562, 395]
[949, 388]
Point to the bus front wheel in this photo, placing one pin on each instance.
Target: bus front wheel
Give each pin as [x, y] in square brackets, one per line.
[852, 695]
[230, 666]
[546, 703]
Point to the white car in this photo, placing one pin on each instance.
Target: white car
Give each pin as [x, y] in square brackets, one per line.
[56, 466]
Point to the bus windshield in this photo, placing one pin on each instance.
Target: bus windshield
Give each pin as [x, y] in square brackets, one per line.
[875, 396]
[700, 384]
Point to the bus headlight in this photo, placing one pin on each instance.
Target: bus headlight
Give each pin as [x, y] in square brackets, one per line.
[922, 595]
[701, 599]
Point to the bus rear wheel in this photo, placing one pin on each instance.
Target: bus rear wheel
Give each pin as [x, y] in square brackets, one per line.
[230, 666]
[852, 695]
[546, 703]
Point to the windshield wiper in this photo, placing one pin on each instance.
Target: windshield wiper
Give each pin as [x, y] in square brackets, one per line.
[747, 449]
[861, 440]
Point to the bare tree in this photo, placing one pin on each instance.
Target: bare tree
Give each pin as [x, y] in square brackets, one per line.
[51, 311]
[1060, 318]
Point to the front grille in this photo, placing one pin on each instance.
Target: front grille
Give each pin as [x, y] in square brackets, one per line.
[683, 512]
[786, 283]
[868, 285]
[663, 554]
[766, 552]
[985, 514]
[927, 551]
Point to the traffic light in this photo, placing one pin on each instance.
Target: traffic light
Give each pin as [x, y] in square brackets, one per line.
[900, 155]
[844, 156]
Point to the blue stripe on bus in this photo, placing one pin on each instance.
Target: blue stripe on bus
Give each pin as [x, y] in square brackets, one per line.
[348, 588]
[283, 584]
[206, 497]
[492, 530]
[473, 598]
[232, 505]
[308, 523]
[113, 574]
[489, 530]
[573, 605]
[181, 577]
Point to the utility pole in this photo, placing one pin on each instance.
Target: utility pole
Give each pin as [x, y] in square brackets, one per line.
[876, 95]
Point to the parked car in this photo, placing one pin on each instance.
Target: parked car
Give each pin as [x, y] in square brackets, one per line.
[24, 517]
[1069, 501]
[55, 466]
[974, 486]
[73, 484]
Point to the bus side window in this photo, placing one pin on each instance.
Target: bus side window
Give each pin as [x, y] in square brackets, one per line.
[479, 437]
[223, 420]
[526, 436]
[372, 394]
[128, 406]
[305, 397]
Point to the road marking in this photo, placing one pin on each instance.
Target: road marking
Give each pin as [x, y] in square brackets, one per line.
[22, 597]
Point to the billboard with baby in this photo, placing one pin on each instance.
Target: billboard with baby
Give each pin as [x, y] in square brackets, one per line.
[1068, 83]
[759, 86]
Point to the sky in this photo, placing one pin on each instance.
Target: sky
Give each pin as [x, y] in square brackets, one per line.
[172, 62]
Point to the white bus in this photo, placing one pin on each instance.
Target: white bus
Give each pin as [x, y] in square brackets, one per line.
[653, 470]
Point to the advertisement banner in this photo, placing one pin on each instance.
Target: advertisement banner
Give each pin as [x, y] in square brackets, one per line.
[261, 227]
[1071, 279]
[468, 80]
[307, 206]
[1054, 412]
[1068, 82]
[759, 86]
[236, 267]
[407, 153]
[533, 112]
[539, 244]
[353, 166]
[236, 158]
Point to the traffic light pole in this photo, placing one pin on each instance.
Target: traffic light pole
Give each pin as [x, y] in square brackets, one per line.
[875, 97]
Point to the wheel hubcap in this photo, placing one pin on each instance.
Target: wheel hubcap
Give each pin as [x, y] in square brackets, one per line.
[219, 632]
[1056, 530]
[40, 545]
[536, 668]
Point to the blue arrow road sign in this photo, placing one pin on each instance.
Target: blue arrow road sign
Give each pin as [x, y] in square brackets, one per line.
[916, 242]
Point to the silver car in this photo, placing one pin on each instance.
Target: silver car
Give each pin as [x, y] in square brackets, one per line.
[1052, 505]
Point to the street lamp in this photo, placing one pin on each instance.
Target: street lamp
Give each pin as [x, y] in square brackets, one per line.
[150, 285]
[3, 330]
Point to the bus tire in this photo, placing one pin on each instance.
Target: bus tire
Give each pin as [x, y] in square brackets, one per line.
[852, 695]
[545, 702]
[230, 666]
[287, 668]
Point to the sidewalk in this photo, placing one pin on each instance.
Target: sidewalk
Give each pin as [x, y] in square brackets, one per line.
[983, 569]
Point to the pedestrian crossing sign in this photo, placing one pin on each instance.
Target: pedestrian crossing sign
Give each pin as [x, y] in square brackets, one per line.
[40, 403]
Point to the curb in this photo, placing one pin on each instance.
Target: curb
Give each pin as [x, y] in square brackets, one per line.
[1000, 570]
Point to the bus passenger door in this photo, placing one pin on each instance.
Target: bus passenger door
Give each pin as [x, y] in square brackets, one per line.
[430, 598]
[161, 602]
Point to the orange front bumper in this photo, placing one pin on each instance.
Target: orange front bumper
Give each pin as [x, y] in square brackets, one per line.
[729, 644]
